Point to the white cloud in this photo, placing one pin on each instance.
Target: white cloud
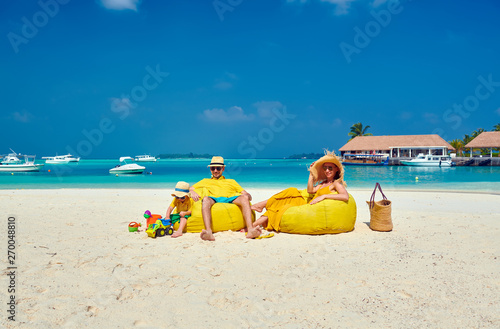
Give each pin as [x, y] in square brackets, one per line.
[120, 103]
[23, 117]
[120, 4]
[498, 111]
[233, 114]
[265, 108]
[337, 123]
[377, 3]
[223, 85]
[232, 76]
[431, 117]
[405, 115]
[342, 6]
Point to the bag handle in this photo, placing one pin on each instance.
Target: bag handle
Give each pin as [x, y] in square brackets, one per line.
[372, 198]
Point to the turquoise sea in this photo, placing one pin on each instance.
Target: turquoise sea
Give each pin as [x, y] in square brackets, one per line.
[251, 173]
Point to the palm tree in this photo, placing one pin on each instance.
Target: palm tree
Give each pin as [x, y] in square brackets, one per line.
[458, 145]
[467, 139]
[478, 132]
[497, 128]
[358, 130]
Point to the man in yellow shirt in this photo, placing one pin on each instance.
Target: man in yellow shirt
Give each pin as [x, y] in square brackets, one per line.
[222, 190]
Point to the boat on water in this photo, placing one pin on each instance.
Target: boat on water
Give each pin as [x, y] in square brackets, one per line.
[12, 163]
[145, 158]
[61, 159]
[127, 168]
[365, 159]
[429, 160]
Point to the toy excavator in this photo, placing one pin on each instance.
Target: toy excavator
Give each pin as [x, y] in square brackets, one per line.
[157, 226]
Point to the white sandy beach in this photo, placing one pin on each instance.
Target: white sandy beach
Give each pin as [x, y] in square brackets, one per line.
[79, 267]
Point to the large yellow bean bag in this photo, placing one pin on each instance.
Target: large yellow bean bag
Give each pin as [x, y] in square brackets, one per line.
[225, 217]
[325, 217]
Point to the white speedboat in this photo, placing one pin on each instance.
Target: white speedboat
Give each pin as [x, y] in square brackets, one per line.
[12, 163]
[61, 159]
[429, 160]
[127, 168]
[71, 158]
[145, 158]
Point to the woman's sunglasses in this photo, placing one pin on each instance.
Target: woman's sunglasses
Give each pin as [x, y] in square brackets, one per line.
[215, 168]
[325, 168]
[180, 197]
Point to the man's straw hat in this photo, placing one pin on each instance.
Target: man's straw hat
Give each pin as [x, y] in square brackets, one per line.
[317, 169]
[217, 162]
[181, 189]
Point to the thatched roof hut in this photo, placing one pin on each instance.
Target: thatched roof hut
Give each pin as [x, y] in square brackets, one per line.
[404, 145]
[486, 139]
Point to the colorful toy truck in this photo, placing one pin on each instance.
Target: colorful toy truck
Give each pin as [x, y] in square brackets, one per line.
[160, 228]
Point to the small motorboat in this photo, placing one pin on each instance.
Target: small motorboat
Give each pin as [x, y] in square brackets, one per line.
[145, 158]
[127, 168]
[71, 158]
[61, 159]
[429, 160]
[12, 163]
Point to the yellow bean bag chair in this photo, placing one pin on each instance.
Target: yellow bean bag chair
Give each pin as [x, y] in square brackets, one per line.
[325, 217]
[225, 217]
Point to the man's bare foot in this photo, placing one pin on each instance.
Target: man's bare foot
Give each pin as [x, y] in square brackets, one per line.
[254, 232]
[257, 208]
[176, 234]
[206, 235]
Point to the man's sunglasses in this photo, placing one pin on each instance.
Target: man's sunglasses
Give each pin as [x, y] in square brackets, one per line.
[215, 168]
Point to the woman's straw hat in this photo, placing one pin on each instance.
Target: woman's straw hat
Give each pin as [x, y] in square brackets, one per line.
[317, 169]
[217, 162]
[181, 189]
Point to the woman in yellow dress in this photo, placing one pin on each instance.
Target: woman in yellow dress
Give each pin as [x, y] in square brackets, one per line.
[326, 181]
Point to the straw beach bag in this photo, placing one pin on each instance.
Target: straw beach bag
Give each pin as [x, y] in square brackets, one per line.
[380, 212]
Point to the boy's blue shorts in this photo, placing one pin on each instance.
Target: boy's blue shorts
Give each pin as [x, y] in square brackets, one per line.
[224, 199]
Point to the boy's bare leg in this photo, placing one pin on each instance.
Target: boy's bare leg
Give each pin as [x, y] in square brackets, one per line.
[259, 206]
[182, 225]
[206, 211]
[261, 221]
[244, 203]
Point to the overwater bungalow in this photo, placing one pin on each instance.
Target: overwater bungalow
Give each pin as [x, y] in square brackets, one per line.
[397, 146]
[485, 140]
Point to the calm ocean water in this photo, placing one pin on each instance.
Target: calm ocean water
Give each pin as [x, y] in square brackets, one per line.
[251, 173]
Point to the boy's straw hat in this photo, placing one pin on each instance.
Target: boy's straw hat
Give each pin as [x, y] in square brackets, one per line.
[217, 162]
[181, 189]
[317, 169]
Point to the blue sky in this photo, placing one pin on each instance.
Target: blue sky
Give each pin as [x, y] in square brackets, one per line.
[241, 78]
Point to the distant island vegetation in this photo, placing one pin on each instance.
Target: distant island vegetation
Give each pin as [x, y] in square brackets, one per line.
[209, 156]
[306, 156]
[185, 156]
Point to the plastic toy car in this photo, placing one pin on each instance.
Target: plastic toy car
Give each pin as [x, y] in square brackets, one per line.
[161, 228]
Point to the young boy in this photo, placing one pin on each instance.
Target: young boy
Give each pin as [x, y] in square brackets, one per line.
[182, 204]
